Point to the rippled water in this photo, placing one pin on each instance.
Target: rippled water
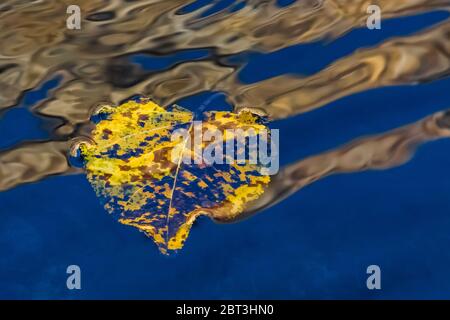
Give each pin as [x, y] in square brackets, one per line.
[282, 58]
[173, 49]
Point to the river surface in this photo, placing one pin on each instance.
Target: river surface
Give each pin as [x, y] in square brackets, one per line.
[361, 110]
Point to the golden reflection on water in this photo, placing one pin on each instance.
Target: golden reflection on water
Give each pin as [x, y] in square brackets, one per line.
[94, 67]
[378, 152]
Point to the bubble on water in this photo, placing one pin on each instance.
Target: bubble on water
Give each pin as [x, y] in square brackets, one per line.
[101, 112]
[77, 145]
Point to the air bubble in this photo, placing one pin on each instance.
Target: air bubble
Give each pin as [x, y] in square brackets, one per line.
[102, 111]
[77, 148]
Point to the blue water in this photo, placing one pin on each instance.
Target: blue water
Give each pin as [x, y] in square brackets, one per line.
[316, 244]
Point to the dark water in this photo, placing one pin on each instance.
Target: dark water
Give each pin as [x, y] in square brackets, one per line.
[312, 66]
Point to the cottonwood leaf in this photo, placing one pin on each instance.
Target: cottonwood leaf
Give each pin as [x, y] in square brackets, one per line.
[132, 169]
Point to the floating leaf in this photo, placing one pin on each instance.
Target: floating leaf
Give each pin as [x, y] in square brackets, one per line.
[132, 168]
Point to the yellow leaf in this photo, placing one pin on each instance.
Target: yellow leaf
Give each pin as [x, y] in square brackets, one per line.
[132, 169]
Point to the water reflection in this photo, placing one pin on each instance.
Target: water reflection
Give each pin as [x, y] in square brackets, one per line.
[173, 49]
